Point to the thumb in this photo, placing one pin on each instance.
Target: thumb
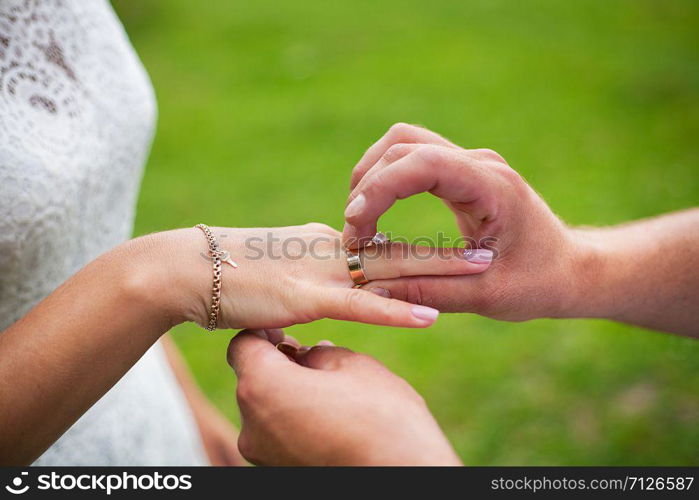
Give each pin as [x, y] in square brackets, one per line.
[446, 293]
[250, 350]
[325, 357]
[354, 304]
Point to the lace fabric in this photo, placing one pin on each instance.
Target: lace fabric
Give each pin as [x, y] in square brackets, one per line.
[77, 115]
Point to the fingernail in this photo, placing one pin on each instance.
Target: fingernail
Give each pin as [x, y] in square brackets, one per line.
[478, 256]
[425, 313]
[260, 333]
[381, 292]
[287, 349]
[355, 207]
[325, 342]
[304, 348]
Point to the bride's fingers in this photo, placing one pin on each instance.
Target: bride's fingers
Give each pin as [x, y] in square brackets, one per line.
[394, 260]
[353, 304]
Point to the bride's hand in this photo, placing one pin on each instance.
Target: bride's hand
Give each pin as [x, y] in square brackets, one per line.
[95, 326]
[293, 275]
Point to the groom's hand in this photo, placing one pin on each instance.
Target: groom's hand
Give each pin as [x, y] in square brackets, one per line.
[541, 265]
[328, 406]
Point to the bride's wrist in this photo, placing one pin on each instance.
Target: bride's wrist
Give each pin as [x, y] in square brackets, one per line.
[170, 272]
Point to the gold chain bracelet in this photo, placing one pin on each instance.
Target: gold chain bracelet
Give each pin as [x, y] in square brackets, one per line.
[217, 256]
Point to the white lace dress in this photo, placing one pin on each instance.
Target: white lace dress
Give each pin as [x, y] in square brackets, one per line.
[77, 114]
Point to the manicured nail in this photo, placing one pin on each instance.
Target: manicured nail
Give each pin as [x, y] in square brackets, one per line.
[287, 349]
[381, 292]
[479, 256]
[260, 333]
[355, 207]
[425, 313]
[325, 342]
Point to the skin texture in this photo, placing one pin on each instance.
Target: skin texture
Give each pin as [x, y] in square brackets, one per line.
[644, 273]
[294, 400]
[286, 287]
[327, 405]
[63, 355]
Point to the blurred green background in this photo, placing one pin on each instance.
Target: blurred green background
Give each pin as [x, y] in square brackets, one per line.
[266, 106]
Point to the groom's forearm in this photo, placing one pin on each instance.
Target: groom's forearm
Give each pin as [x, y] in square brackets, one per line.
[644, 273]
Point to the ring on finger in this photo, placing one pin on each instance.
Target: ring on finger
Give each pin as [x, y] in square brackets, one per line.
[380, 239]
[356, 271]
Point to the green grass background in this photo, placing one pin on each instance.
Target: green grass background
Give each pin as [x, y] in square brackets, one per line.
[266, 106]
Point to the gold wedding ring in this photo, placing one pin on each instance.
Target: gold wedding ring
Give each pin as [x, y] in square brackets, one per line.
[354, 263]
[356, 271]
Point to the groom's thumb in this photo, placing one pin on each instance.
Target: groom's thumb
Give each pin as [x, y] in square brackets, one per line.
[250, 351]
[446, 293]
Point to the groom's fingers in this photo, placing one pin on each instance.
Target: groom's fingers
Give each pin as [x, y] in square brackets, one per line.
[250, 350]
[394, 153]
[277, 335]
[400, 133]
[459, 176]
[323, 357]
[393, 260]
[352, 304]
